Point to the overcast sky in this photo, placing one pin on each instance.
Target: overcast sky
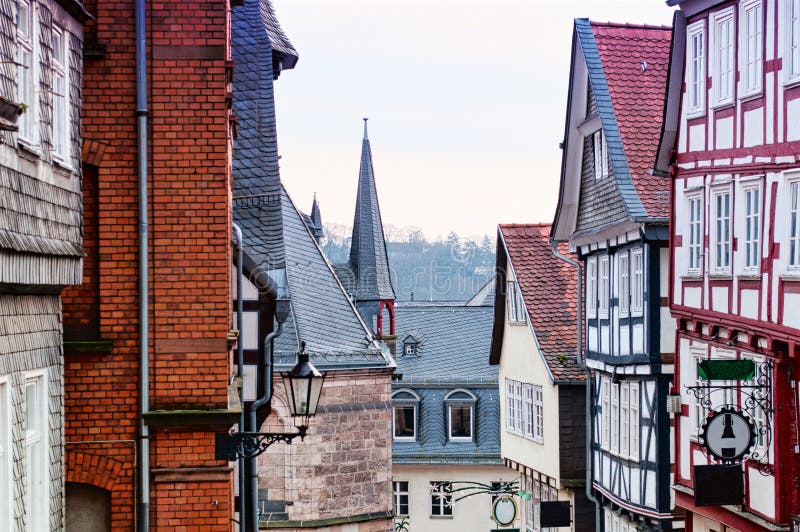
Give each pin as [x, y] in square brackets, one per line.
[466, 101]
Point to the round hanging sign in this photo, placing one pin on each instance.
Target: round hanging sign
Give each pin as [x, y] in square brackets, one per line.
[504, 510]
[728, 434]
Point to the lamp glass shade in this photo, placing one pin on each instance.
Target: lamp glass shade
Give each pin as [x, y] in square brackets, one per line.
[303, 384]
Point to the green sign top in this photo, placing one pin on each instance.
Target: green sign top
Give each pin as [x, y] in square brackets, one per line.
[726, 370]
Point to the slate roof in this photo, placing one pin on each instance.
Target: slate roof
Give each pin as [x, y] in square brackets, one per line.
[257, 187]
[369, 261]
[453, 342]
[484, 296]
[280, 42]
[322, 315]
[549, 289]
[630, 102]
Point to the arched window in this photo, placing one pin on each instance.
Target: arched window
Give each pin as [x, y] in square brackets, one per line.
[460, 415]
[404, 415]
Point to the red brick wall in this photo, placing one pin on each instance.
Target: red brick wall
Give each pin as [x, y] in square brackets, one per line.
[189, 257]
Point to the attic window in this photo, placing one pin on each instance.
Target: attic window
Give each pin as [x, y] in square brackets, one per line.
[600, 154]
[460, 415]
[404, 415]
[410, 348]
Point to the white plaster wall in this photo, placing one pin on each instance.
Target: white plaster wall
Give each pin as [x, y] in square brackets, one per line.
[472, 514]
[704, 524]
[793, 117]
[697, 137]
[754, 127]
[761, 492]
[724, 133]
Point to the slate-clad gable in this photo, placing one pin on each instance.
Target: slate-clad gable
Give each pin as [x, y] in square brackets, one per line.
[600, 203]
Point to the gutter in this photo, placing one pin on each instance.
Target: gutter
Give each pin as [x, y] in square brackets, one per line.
[589, 416]
[238, 245]
[143, 471]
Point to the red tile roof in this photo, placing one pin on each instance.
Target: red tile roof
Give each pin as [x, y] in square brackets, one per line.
[549, 289]
[637, 95]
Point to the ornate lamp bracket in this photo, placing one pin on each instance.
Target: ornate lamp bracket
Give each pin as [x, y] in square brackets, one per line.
[236, 445]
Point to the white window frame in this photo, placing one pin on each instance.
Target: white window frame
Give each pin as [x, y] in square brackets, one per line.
[5, 453]
[527, 406]
[793, 236]
[791, 59]
[37, 455]
[604, 283]
[441, 490]
[60, 120]
[398, 492]
[515, 303]
[514, 407]
[538, 414]
[634, 424]
[605, 405]
[624, 419]
[751, 48]
[637, 282]
[695, 233]
[600, 150]
[28, 75]
[752, 197]
[591, 287]
[624, 283]
[615, 411]
[509, 405]
[723, 58]
[405, 403]
[699, 411]
[410, 348]
[719, 242]
[696, 69]
[460, 403]
[518, 407]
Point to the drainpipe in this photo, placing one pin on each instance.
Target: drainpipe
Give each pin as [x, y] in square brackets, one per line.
[239, 247]
[144, 311]
[589, 386]
[266, 377]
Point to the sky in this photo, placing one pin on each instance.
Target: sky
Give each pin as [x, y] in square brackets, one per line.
[466, 103]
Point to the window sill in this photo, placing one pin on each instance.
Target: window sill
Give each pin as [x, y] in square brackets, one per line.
[517, 323]
[752, 95]
[792, 82]
[724, 105]
[441, 517]
[29, 149]
[404, 440]
[790, 276]
[749, 276]
[692, 277]
[695, 114]
[460, 440]
[720, 276]
[61, 162]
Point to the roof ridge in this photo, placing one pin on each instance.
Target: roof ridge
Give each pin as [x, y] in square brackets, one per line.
[610, 24]
[522, 225]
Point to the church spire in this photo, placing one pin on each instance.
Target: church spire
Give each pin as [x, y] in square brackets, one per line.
[316, 220]
[369, 261]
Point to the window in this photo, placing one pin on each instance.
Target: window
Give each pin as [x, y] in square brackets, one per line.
[625, 419]
[410, 348]
[792, 58]
[400, 490]
[527, 401]
[624, 284]
[510, 414]
[441, 499]
[600, 154]
[614, 417]
[404, 418]
[722, 232]
[5, 458]
[538, 418]
[60, 120]
[752, 229]
[26, 69]
[637, 288]
[591, 288]
[634, 424]
[460, 418]
[516, 306]
[605, 385]
[603, 296]
[36, 456]
[695, 230]
[723, 73]
[695, 68]
[751, 47]
[794, 225]
[515, 408]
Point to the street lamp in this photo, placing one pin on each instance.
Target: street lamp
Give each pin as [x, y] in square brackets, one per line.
[303, 385]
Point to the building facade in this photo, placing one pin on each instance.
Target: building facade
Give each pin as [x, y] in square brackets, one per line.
[147, 344]
[542, 386]
[614, 215]
[730, 146]
[446, 418]
[41, 249]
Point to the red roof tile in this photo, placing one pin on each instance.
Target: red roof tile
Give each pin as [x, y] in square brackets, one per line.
[637, 95]
[549, 289]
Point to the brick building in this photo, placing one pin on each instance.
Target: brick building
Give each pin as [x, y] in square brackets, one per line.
[40, 249]
[114, 451]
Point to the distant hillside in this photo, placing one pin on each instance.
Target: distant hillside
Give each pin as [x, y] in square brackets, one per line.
[448, 270]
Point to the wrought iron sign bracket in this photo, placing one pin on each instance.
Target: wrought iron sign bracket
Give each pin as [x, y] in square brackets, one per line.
[235, 445]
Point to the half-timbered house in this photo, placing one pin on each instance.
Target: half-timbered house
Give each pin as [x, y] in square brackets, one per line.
[730, 142]
[542, 386]
[614, 214]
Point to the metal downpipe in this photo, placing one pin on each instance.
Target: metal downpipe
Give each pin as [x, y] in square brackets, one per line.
[239, 245]
[258, 403]
[588, 387]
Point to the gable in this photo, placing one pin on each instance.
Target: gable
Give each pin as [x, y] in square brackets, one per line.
[600, 203]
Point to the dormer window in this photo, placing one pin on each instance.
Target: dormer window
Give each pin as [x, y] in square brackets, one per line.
[405, 404]
[600, 154]
[410, 348]
[460, 415]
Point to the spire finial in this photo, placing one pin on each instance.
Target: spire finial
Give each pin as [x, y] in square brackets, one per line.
[365, 128]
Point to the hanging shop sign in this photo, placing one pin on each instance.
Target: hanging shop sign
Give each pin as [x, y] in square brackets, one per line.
[728, 434]
[504, 510]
